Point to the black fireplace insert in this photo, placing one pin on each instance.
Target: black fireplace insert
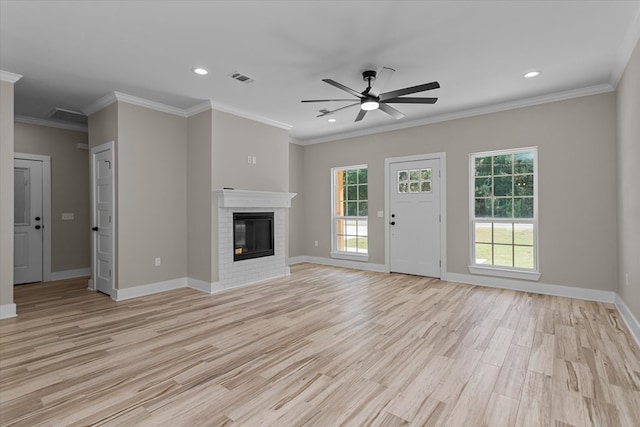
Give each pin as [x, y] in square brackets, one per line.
[252, 235]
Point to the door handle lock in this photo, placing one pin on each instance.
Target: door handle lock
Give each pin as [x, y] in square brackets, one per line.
[94, 228]
[38, 227]
[37, 218]
[392, 223]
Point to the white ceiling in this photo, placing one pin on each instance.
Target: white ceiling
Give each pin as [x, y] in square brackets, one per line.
[71, 53]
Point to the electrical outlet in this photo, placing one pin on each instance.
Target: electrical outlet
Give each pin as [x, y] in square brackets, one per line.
[249, 159]
[67, 216]
[254, 159]
[158, 262]
[315, 243]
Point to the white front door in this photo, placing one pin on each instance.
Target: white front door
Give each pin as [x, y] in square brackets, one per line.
[28, 221]
[414, 217]
[103, 224]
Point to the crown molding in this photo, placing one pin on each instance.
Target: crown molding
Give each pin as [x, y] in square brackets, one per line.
[52, 123]
[495, 108]
[141, 102]
[211, 104]
[101, 103]
[6, 76]
[625, 51]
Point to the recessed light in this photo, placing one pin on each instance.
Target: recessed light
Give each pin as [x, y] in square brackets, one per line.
[331, 120]
[531, 74]
[200, 71]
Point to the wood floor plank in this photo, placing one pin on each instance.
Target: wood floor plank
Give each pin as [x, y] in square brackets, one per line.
[322, 347]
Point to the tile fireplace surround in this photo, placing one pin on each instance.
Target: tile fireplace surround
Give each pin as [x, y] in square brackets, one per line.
[240, 273]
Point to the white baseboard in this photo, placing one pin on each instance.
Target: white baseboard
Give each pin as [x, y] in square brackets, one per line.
[70, 274]
[148, 289]
[535, 287]
[629, 319]
[7, 311]
[201, 285]
[357, 265]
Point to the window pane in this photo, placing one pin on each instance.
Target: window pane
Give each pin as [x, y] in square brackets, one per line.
[502, 208]
[413, 187]
[362, 176]
[352, 193]
[363, 245]
[362, 228]
[503, 186]
[523, 185]
[483, 187]
[425, 187]
[352, 208]
[503, 255]
[523, 234]
[483, 232]
[403, 175]
[523, 256]
[351, 227]
[351, 244]
[484, 254]
[425, 174]
[503, 233]
[362, 192]
[523, 162]
[523, 207]
[362, 209]
[483, 208]
[403, 187]
[352, 176]
[483, 166]
[414, 175]
[503, 165]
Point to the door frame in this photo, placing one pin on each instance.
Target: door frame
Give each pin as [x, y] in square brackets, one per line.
[442, 157]
[107, 146]
[46, 209]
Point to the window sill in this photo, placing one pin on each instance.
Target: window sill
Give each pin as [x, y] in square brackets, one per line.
[501, 272]
[350, 257]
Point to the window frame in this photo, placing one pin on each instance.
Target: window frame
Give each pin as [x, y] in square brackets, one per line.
[504, 271]
[335, 253]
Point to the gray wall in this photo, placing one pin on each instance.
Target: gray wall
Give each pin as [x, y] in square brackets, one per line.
[152, 195]
[70, 181]
[296, 213]
[6, 193]
[577, 183]
[628, 193]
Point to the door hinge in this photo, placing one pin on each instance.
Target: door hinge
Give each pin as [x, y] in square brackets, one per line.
[108, 163]
[439, 218]
[109, 272]
[440, 263]
[109, 219]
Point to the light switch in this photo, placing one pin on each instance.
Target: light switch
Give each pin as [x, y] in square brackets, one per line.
[67, 217]
[380, 214]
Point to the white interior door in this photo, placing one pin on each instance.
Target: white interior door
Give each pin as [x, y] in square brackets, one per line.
[28, 221]
[415, 217]
[103, 224]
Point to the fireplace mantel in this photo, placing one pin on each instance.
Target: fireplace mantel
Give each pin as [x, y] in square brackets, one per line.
[253, 199]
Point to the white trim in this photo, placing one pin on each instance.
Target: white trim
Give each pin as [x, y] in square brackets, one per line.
[91, 285]
[494, 108]
[625, 51]
[201, 285]
[100, 103]
[46, 209]
[213, 105]
[52, 123]
[149, 289]
[6, 76]
[70, 274]
[629, 318]
[7, 311]
[107, 146]
[253, 199]
[500, 272]
[534, 287]
[350, 256]
[141, 102]
[442, 158]
[366, 266]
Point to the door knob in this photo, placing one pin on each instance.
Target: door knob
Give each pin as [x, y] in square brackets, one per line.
[37, 218]
[392, 223]
[38, 227]
[94, 228]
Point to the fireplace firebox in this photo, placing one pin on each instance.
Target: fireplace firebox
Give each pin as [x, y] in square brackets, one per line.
[252, 235]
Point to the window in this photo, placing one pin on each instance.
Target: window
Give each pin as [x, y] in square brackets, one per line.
[350, 212]
[504, 220]
[414, 181]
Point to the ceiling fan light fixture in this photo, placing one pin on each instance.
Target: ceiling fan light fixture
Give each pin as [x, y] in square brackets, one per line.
[369, 104]
[200, 71]
[331, 120]
[531, 74]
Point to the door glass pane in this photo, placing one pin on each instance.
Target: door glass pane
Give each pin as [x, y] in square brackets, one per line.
[21, 196]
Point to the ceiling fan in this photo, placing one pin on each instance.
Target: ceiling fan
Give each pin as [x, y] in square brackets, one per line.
[372, 99]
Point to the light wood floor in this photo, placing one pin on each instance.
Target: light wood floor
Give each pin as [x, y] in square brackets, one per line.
[323, 347]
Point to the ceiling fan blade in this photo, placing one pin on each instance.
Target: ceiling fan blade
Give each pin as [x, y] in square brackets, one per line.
[409, 90]
[337, 109]
[360, 115]
[391, 111]
[381, 81]
[410, 101]
[343, 87]
[326, 100]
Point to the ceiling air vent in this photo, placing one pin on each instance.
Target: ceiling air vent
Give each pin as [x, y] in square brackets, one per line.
[68, 116]
[241, 77]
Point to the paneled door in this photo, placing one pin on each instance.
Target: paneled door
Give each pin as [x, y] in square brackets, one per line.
[414, 217]
[103, 221]
[28, 221]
